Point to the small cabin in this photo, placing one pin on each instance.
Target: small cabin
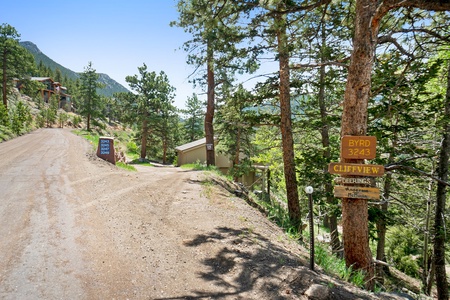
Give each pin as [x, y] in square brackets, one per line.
[195, 151]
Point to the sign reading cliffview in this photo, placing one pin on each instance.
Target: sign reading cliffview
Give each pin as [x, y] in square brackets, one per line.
[105, 149]
[356, 169]
[357, 147]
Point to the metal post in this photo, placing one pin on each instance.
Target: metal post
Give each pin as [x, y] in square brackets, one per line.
[309, 190]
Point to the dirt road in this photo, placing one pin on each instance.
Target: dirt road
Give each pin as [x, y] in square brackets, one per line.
[75, 227]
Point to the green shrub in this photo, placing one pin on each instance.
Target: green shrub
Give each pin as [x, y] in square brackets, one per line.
[403, 247]
[4, 119]
[409, 266]
[132, 147]
[76, 120]
[5, 133]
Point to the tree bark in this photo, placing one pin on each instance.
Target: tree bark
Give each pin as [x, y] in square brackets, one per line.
[330, 219]
[237, 151]
[144, 135]
[354, 122]
[209, 116]
[354, 117]
[439, 221]
[4, 80]
[286, 124]
[164, 151]
[382, 229]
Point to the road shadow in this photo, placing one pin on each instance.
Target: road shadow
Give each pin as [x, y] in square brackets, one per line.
[250, 266]
[247, 261]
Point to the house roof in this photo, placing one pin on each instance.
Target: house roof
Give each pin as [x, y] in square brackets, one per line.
[41, 78]
[191, 145]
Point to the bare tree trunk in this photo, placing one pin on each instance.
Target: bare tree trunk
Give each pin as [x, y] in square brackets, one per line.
[88, 127]
[428, 262]
[439, 221]
[237, 151]
[286, 125]
[331, 219]
[4, 80]
[382, 229]
[426, 255]
[164, 152]
[430, 276]
[209, 116]
[144, 135]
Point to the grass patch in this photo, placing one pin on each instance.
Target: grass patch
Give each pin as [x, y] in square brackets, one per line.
[207, 190]
[200, 167]
[336, 266]
[125, 166]
[144, 163]
[88, 135]
[280, 216]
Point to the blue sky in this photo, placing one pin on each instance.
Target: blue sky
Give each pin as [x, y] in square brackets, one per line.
[117, 36]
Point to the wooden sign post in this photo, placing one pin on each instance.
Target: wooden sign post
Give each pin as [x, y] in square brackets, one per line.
[357, 147]
[366, 181]
[357, 192]
[356, 169]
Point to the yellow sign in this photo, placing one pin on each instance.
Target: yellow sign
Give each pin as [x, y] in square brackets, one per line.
[356, 169]
[355, 180]
[358, 147]
[357, 192]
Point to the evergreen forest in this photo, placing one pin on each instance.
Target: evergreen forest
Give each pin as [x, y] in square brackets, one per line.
[283, 82]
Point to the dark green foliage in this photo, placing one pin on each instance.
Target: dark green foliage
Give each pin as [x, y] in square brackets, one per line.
[20, 118]
[151, 110]
[90, 105]
[193, 120]
[15, 61]
[235, 130]
[4, 119]
[404, 248]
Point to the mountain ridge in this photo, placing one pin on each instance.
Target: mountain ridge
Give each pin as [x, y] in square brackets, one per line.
[111, 86]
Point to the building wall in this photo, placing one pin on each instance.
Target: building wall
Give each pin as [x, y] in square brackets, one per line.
[193, 155]
[199, 154]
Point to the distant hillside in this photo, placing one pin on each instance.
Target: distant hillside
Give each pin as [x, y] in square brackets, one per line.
[111, 86]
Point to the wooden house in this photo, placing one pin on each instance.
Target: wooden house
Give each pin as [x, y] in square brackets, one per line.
[54, 88]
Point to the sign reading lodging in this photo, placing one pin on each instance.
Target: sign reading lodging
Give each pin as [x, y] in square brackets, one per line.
[355, 180]
[356, 169]
[357, 192]
[358, 147]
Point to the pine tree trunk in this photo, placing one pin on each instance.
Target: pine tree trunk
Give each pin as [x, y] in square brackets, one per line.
[354, 122]
[286, 125]
[164, 152]
[382, 229]
[331, 219]
[88, 127]
[237, 152]
[4, 81]
[144, 135]
[439, 221]
[426, 256]
[209, 117]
